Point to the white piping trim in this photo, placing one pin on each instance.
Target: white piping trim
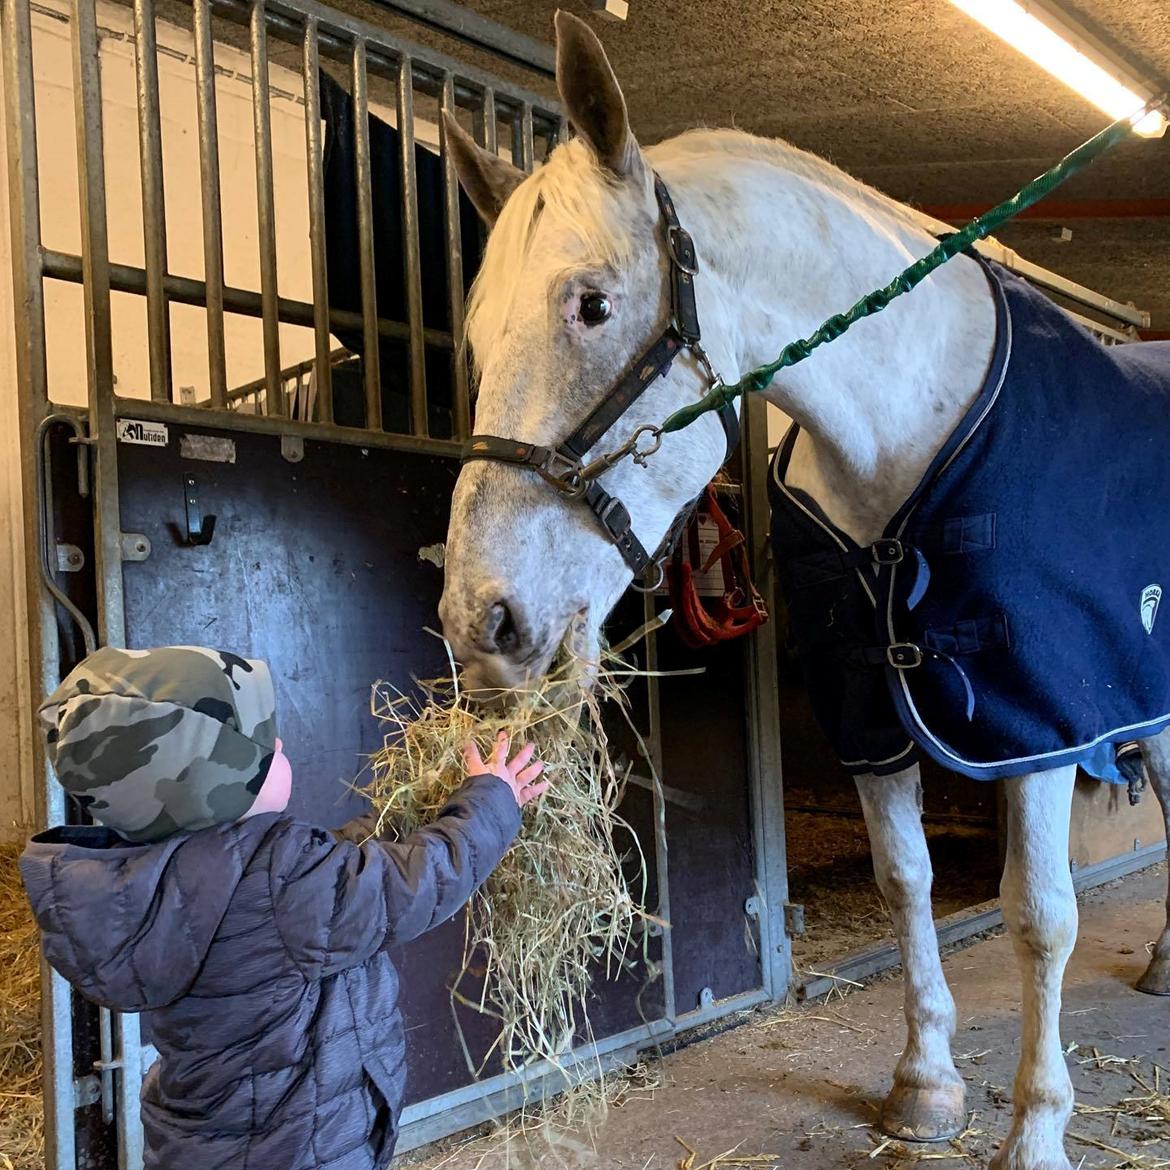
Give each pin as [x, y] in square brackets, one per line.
[1103, 738]
[878, 763]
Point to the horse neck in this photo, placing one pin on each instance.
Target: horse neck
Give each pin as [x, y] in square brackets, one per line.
[783, 250]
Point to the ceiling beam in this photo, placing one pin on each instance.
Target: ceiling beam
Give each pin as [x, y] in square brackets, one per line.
[1061, 210]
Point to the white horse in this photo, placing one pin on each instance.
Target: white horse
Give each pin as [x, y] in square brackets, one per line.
[571, 289]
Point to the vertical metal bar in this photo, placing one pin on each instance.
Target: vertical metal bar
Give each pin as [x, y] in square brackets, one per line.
[365, 218]
[412, 266]
[154, 224]
[315, 154]
[265, 209]
[95, 263]
[517, 125]
[527, 141]
[462, 403]
[209, 190]
[763, 716]
[32, 403]
[107, 523]
[128, 1052]
[486, 128]
[661, 855]
[563, 130]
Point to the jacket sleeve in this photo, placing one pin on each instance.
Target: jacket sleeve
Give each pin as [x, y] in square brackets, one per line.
[337, 903]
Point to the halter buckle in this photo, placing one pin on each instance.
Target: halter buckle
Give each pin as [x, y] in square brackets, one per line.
[682, 249]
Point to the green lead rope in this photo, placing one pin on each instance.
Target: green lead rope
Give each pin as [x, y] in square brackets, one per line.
[761, 377]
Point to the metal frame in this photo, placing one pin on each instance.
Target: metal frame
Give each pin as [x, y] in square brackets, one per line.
[317, 32]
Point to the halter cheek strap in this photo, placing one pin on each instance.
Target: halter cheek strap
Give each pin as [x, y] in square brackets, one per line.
[563, 466]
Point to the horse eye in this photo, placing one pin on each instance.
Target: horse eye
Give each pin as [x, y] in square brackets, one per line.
[595, 308]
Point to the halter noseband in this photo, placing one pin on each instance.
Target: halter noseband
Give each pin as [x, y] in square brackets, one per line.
[564, 466]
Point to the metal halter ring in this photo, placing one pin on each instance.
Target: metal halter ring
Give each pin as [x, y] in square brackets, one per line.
[644, 587]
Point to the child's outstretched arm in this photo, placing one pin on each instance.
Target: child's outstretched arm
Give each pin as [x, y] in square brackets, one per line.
[338, 903]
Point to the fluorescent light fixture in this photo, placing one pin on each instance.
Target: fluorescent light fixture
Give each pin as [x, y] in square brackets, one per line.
[1050, 39]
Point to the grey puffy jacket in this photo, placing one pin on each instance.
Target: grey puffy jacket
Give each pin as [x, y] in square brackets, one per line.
[257, 953]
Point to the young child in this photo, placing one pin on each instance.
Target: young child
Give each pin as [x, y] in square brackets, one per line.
[255, 944]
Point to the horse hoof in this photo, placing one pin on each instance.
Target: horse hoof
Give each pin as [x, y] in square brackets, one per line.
[1156, 980]
[924, 1115]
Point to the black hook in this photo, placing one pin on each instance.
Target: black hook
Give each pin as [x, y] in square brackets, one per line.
[200, 528]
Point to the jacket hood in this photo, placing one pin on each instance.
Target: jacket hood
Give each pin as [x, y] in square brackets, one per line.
[130, 925]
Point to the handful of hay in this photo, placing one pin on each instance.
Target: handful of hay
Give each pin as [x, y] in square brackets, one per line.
[560, 902]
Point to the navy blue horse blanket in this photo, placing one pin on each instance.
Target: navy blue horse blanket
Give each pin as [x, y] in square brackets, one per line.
[1008, 620]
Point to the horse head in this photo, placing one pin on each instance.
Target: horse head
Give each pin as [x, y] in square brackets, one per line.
[573, 288]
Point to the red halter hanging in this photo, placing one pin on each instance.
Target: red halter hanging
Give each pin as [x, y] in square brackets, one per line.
[702, 622]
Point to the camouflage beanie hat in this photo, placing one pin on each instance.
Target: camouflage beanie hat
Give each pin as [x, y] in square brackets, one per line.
[155, 742]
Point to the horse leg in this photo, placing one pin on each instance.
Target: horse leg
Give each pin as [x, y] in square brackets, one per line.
[1041, 914]
[927, 1101]
[1156, 980]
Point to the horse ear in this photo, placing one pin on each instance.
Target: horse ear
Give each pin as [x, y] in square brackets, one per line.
[593, 97]
[487, 178]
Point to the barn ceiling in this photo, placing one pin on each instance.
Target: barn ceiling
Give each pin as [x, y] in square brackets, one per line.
[910, 95]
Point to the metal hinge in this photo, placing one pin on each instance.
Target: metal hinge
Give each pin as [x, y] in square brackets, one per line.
[70, 559]
[793, 919]
[86, 1091]
[135, 546]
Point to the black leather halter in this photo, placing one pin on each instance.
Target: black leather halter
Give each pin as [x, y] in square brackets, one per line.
[564, 466]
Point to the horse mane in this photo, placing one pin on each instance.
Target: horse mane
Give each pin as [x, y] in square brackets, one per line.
[573, 189]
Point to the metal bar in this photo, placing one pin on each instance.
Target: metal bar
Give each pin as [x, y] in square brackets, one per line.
[40, 619]
[182, 290]
[286, 375]
[111, 618]
[154, 221]
[517, 139]
[462, 391]
[265, 209]
[745, 1001]
[486, 125]
[95, 265]
[412, 262]
[230, 420]
[457, 21]
[365, 218]
[762, 712]
[339, 30]
[653, 743]
[527, 140]
[314, 151]
[209, 191]
[562, 130]
[128, 1047]
[426, 1121]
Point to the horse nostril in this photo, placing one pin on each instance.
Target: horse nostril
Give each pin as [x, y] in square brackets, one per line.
[501, 635]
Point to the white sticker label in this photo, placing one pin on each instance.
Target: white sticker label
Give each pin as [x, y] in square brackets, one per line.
[147, 434]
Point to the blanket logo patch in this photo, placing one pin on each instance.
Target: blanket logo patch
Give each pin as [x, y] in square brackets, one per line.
[1151, 596]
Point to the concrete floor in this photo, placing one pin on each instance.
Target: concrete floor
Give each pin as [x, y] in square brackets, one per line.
[803, 1085]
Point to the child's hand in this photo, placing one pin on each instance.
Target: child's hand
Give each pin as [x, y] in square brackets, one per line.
[518, 773]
